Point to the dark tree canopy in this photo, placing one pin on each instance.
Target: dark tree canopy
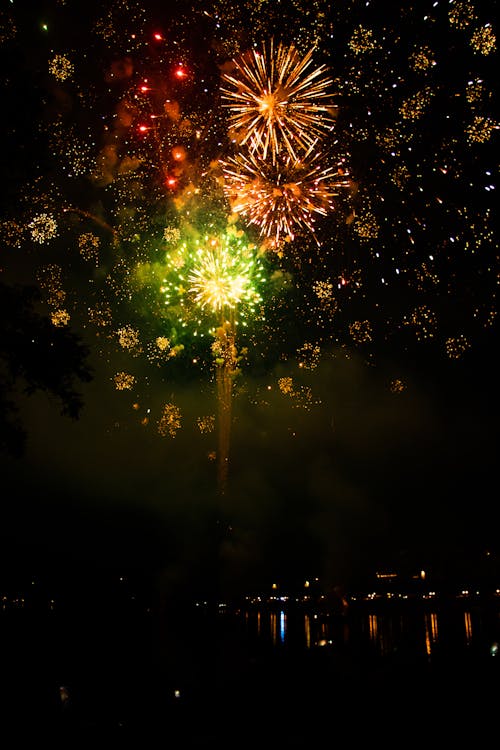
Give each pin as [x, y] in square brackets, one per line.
[35, 356]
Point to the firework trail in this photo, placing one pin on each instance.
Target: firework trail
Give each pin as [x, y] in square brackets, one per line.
[223, 278]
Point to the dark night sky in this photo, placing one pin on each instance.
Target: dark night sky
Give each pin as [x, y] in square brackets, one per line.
[364, 483]
[362, 479]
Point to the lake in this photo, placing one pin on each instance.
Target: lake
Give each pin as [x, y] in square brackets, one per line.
[250, 676]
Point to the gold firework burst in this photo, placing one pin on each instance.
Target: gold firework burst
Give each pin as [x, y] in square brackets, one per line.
[278, 101]
[283, 197]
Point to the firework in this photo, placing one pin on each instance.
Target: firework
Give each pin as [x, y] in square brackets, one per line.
[397, 386]
[170, 420]
[136, 163]
[309, 356]
[88, 244]
[284, 197]
[222, 279]
[218, 275]
[129, 340]
[124, 381]
[61, 67]
[43, 228]
[49, 278]
[206, 424]
[277, 101]
[60, 318]
[216, 278]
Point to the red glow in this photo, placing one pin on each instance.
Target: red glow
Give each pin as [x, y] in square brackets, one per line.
[158, 37]
[179, 153]
[180, 72]
[142, 128]
[171, 182]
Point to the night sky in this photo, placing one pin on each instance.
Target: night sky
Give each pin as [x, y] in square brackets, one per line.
[364, 411]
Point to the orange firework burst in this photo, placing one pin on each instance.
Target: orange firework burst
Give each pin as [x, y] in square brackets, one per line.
[278, 101]
[283, 197]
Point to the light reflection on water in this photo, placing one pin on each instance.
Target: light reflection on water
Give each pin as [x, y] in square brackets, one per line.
[431, 631]
[419, 632]
[310, 661]
[468, 626]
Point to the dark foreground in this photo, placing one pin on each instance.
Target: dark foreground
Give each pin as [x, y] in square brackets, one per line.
[143, 679]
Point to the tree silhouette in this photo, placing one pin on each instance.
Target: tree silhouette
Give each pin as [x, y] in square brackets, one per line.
[35, 356]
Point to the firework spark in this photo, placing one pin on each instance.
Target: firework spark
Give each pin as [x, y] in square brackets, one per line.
[43, 228]
[221, 278]
[277, 101]
[219, 274]
[283, 197]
